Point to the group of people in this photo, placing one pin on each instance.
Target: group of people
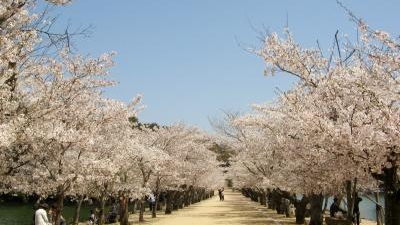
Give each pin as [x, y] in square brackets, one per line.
[335, 209]
[221, 194]
[45, 215]
[41, 217]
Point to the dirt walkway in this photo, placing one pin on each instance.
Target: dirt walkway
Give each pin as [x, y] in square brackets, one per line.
[235, 210]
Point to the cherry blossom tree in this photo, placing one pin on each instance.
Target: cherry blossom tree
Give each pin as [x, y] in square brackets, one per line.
[59, 136]
[51, 108]
[334, 130]
[355, 98]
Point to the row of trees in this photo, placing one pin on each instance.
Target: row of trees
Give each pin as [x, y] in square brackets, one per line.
[335, 132]
[59, 136]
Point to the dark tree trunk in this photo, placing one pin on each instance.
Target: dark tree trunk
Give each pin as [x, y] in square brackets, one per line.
[325, 203]
[254, 195]
[269, 199]
[102, 218]
[123, 209]
[263, 198]
[59, 205]
[351, 195]
[198, 195]
[176, 200]
[161, 201]
[169, 201]
[133, 206]
[78, 209]
[181, 199]
[202, 194]
[379, 214]
[155, 206]
[392, 197]
[286, 206]
[301, 209]
[276, 201]
[141, 212]
[391, 185]
[316, 209]
[187, 197]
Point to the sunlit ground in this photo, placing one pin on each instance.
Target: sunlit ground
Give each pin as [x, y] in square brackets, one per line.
[235, 210]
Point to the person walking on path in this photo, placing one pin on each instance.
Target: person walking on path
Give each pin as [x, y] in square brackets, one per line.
[221, 194]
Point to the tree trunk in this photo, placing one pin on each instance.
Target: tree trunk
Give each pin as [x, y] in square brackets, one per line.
[192, 194]
[176, 200]
[379, 215]
[157, 197]
[102, 208]
[169, 201]
[325, 203]
[155, 206]
[269, 199]
[301, 209]
[187, 197]
[59, 206]
[263, 198]
[392, 196]
[141, 212]
[316, 209]
[351, 194]
[123, 209]
[277, 199]
[133, 206]
[78, 209]
[180, 200]
[161, 201]
[274, 201]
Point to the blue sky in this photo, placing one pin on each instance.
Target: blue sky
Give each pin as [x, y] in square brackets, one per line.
[188, 58]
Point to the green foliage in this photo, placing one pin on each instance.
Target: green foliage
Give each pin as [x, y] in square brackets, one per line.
[137, 125]
[224, 154]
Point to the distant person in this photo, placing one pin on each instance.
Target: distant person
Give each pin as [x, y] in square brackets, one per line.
[152, 201]
[220, 194]
[356, 211]
[222, 197]
[335, 207]
[41, 215]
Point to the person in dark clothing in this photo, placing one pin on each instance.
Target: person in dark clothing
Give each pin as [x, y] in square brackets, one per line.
[112, 214]
[335, 207]
[356, 211]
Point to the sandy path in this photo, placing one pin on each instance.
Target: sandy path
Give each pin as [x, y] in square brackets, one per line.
[235, 210]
